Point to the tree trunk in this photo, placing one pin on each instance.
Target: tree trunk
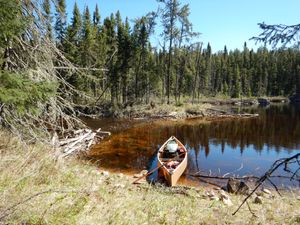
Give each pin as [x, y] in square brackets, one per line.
[199, 48]
[172, 20]
[137, 72]
[6, 60]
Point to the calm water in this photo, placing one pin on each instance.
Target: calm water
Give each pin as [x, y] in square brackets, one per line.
[235, 146]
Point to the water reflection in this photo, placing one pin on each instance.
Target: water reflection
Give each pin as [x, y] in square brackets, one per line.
[217, 146]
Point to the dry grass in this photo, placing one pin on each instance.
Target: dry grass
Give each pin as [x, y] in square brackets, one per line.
[35, 188]
[161, 110]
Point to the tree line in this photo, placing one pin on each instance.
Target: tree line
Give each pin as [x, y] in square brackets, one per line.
[117, 63]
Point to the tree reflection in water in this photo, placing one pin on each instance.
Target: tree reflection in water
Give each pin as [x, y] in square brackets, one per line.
[214, 145]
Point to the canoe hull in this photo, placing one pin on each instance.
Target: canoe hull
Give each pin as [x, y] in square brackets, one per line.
[172, 176]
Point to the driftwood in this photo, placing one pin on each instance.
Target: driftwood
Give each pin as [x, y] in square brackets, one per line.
[79, 141]
[285, 162]
[223, 177]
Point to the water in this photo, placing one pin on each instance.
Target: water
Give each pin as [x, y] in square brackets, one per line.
[233, 146]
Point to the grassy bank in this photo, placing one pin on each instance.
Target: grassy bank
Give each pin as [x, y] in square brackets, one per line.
[205, 106]
[36, 188]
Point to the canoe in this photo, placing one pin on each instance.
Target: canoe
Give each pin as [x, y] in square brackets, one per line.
[172, 166]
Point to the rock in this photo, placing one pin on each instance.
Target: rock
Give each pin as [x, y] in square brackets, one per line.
[224, 188]
[243, 188]
[265, 190]
[105, 173]
[258, 200]
[211, 195]
[298, 198]
[223, 194]
[225, 198]
[233, 185]
[227, 201]
[237, 187]
[120, 175]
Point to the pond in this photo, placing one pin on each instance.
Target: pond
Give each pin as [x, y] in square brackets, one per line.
[219, 147]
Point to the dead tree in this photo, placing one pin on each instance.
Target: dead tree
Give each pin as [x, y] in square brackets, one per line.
[35, 55]
[285, 163]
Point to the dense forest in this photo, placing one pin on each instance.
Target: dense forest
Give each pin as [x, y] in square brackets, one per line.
[113, 60]
[128, 68]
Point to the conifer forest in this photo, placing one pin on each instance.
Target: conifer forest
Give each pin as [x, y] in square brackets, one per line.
[123, 65]
[52, 61]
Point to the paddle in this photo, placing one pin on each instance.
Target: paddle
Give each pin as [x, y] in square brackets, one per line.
[158, 167]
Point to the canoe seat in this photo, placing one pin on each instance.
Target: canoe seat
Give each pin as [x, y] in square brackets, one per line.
[166, 160]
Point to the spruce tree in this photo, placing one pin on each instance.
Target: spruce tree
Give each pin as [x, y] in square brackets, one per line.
[12, 25]
[61, 22]
[48, 18]
[73, 37]
[96, 17]
[109, 26]
[236, 92]
[140, 40]
[87, 41]
[124, 54]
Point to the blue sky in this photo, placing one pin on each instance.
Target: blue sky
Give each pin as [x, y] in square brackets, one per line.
[221, 22]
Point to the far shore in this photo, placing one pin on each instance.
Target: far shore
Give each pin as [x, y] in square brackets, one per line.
[213, 108]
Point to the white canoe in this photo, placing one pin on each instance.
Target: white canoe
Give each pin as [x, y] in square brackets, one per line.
[172, 174]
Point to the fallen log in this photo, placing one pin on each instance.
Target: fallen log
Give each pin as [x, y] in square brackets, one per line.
[79, 141]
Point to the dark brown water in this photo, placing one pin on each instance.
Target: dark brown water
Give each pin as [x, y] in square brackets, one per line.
[232, 146]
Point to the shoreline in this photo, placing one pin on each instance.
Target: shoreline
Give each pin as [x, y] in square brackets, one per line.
[38, 188]
[208, 108]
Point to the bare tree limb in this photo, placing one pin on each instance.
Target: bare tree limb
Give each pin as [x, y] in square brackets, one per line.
[278, 163]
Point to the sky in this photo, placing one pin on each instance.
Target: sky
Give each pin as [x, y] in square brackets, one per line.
[220, 22]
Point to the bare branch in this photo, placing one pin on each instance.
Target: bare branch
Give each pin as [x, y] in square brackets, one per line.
[277, 34]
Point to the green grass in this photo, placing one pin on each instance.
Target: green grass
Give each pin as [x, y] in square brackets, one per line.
[37, 188]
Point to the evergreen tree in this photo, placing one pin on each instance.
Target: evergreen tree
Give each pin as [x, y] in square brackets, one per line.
[140, 38]
[109, 26]
[205, 81]
[96, 17]
[124, 55]
[87, 42]
[73, 37]
[236, 83]
[169, 19]
[48, 18]
[61, 22]
[12, 25]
